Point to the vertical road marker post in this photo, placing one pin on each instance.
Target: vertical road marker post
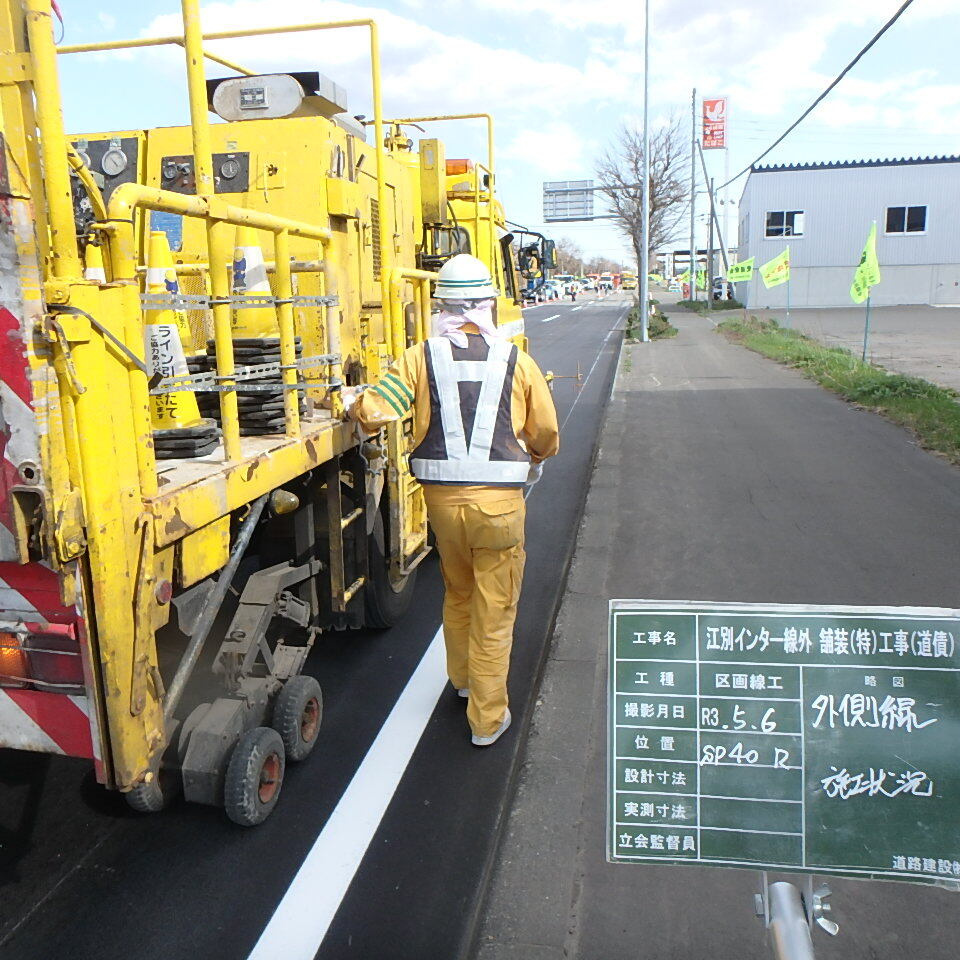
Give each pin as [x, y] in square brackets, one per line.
[645, 253]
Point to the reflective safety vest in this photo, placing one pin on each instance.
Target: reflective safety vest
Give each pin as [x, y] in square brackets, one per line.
[470, 439]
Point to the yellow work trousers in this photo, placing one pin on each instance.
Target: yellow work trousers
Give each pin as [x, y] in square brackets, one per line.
[482, 557]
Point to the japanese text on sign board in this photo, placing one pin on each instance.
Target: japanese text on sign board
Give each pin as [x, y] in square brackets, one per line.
[715, 123]
[813, 740]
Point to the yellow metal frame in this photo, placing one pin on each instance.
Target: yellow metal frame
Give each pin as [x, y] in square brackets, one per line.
[490, 168]
[192, 41]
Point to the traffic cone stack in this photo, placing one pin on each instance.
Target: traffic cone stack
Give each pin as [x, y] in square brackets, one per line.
[256, 340]
[178, 429]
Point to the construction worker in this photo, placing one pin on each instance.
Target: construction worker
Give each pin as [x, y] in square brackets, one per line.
[484, 422]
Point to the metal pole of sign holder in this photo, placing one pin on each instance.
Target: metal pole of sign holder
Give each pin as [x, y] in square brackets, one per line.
[789, 914]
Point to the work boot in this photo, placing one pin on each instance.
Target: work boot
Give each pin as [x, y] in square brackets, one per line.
[487, 741]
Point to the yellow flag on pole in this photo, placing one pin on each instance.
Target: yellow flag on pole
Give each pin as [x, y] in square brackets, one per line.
[776, 271]
[741, 271]
[868, 271]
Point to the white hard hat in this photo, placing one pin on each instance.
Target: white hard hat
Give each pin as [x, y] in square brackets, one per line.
[464, 278]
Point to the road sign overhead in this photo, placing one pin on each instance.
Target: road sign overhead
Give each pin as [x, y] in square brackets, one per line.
[568, 200]
[812, 739]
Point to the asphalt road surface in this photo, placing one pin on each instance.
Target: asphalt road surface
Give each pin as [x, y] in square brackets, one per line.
[396, 869]
[722, 476]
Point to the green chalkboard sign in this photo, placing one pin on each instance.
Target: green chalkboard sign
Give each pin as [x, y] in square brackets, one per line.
[797, 738]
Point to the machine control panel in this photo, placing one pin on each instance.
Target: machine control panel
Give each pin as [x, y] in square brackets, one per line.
[231, 173]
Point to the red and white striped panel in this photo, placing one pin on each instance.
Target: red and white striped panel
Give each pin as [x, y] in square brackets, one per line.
[46, 723]
[30, 593]
[19, 313]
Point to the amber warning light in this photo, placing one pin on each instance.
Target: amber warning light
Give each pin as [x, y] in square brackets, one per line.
[48, 660]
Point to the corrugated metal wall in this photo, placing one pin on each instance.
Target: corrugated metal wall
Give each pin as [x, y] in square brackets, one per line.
[839, 205]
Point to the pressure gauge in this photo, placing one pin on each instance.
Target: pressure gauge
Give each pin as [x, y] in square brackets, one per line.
[114, 162]
[229, 169]
[85, 157]
[169, 170]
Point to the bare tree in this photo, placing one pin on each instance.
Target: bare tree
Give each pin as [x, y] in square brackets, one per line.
[620, 172]
[601, 265]
[569, 256]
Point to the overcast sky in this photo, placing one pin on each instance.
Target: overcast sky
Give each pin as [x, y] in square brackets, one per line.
[560, 76]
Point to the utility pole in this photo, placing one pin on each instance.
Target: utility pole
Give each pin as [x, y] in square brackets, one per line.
[645, 265]
[693, 194]
[713, 211]
[710, 251]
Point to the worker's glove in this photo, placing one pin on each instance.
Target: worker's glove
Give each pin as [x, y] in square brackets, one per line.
[533, 474]
[348, 396]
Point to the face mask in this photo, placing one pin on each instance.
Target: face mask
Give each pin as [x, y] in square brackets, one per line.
[455, 313]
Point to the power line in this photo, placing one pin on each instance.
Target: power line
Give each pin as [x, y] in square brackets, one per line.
[823, 95]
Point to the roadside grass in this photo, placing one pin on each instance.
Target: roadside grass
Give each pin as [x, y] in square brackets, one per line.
[931, 412]
[658, 326]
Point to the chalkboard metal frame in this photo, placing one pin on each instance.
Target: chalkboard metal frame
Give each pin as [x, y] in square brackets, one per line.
[889, 691]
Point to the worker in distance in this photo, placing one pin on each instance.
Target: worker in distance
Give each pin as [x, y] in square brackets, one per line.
[484, 422]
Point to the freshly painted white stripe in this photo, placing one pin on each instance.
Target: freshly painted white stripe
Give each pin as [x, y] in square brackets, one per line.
[575, 309]
[304, 915]
[586, 379]
[548, 319]
[19, 731]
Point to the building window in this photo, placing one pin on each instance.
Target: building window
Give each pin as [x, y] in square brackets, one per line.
[785, 223]
[906, 219]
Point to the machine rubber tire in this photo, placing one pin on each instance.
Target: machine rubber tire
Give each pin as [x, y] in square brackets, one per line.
[297, 715]
[254, 777]
[383, 603]
[154, 796]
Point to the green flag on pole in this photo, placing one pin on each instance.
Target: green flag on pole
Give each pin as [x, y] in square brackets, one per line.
[684, 277]
[868, 271]
[741, 271]
[776, 271]
[701, 279]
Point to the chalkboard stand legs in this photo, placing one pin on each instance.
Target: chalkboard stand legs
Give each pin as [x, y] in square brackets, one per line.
[789, 915]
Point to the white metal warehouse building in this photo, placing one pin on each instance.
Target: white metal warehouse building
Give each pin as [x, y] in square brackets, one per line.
[824, 212]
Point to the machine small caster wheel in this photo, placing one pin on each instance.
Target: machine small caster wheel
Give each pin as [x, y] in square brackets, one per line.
[154, 796]
[297, 715]
[254, 777]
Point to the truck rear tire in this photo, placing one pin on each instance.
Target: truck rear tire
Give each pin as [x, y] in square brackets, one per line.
[254, 777]
[297, 715]
[384, 601]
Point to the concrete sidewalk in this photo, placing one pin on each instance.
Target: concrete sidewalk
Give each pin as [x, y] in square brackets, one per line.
[918, 341]
[721, 476]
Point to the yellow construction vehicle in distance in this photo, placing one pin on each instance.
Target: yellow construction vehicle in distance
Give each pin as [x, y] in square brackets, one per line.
[181, 308]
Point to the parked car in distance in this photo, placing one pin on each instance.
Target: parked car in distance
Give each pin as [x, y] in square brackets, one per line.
[722, 289]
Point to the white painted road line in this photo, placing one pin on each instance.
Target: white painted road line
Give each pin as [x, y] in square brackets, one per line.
[305, 913]
[586, 379]
[548, 319]
[577, 308]
[302, 918]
